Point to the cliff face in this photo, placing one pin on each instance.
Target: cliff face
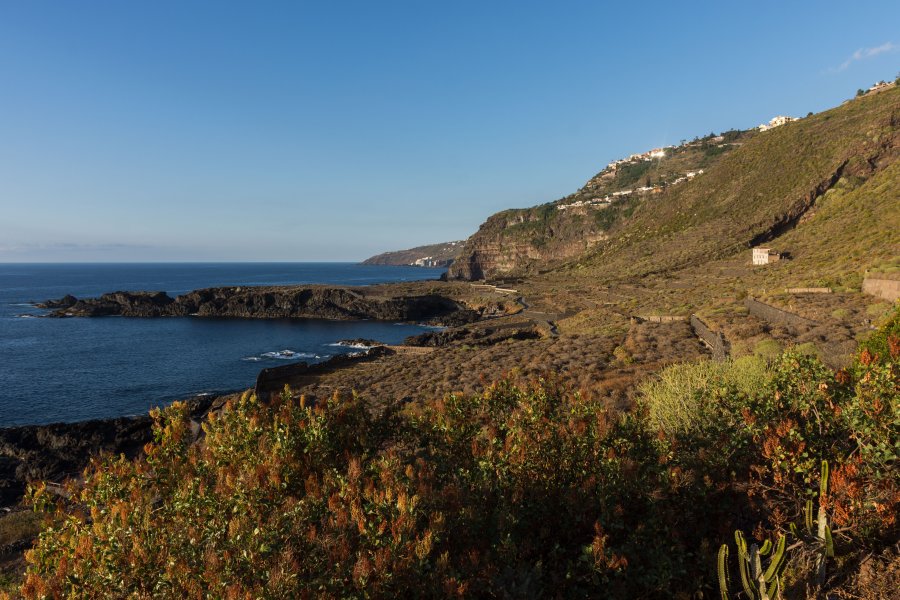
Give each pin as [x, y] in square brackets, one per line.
[269, 303]
[511, 243]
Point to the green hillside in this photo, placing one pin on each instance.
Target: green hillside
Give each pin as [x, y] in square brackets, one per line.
[767, 188]
[750, 193]
[522, 241]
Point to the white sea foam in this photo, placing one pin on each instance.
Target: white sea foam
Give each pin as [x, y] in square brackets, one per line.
[252, 358]
[351, 346]
[288, 355]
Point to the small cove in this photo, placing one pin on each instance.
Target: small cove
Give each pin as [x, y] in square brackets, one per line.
[54, 370]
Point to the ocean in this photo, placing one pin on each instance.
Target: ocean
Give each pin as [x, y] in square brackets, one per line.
[66, 370]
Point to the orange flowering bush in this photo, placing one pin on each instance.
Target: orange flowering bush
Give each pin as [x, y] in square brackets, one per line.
[272, 502]
[524, 490]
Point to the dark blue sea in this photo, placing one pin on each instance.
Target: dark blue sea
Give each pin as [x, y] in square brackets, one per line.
[54, 370]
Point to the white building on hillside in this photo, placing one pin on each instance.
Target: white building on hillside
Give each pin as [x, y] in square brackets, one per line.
[776, 122]
[764, 256]
[877, 87]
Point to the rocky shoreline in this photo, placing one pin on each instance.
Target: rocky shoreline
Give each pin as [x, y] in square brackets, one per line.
[318, 302]
[59, 451]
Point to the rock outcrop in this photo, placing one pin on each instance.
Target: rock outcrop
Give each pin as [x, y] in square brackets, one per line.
[512, 243]
[61, 450]
[486, 336]
[274, 303]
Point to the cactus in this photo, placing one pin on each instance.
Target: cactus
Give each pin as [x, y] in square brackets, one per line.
[817, 532]
[757, 584]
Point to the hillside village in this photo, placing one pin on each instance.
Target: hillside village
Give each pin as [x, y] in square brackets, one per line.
[657, 154]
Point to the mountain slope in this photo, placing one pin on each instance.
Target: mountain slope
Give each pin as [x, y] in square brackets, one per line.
[750, 195]
[519, 241]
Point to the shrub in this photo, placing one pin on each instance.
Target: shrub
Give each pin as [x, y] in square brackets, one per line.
[687, 396]
[768, 349]
[524, 490]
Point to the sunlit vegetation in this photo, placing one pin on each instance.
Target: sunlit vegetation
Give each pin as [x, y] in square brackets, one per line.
[528, 489]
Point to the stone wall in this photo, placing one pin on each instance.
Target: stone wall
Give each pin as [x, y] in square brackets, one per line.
[658, 318]
[808, 290]
[889, 289]
[717, 343]
[774, 315]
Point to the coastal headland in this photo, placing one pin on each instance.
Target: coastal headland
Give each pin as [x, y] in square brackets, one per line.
[319, 302]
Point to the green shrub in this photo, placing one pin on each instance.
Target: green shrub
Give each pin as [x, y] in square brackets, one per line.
[768, 349]
[687, 396]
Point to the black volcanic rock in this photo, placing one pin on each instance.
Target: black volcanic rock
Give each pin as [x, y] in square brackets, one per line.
[274, 303]
[60, 450]
[64, 302]
[487, 336]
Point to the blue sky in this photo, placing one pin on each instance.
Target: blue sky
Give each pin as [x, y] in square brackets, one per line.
[335, 130]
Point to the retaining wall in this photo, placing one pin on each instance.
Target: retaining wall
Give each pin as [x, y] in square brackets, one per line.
[808, 290]
[769, 313]
[717, 343]
[658, 318]
[889, 289]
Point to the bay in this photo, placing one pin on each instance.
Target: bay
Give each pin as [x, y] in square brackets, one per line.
[65, 370]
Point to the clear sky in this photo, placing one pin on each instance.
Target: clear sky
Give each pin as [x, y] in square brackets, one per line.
[334, 130]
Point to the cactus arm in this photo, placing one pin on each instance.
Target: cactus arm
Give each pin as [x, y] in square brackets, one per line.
[740, 542]
[829, 543]
[776, 589]
[777, 561]
[723, 572]
[756, 572]
[766, 547]
[807, 513]
[743, 563]
[821, 522]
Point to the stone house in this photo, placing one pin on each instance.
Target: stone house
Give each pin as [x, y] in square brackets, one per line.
[764, 256]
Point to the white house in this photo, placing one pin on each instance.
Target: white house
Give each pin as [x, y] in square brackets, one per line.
[764, 256]
[776, 122]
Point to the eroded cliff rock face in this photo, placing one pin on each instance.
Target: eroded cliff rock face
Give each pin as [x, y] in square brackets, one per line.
[514, 242]
[271, 303]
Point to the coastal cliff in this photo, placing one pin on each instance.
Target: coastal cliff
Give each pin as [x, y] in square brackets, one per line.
[512, 243]
[317, 302]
